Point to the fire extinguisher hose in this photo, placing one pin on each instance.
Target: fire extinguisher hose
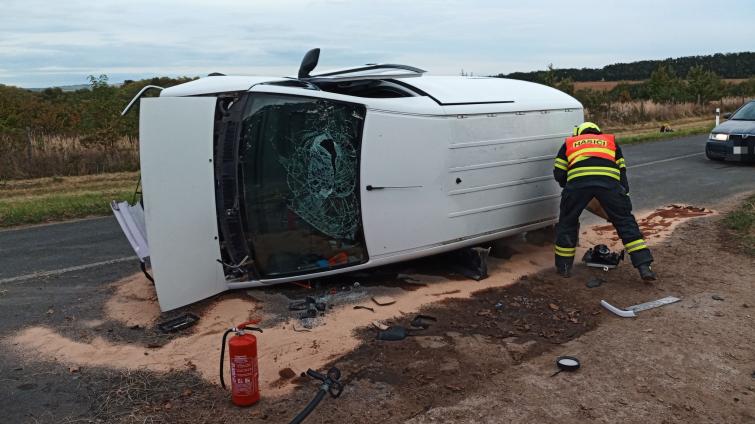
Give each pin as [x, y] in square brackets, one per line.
[330, 384]
[222, 355]
[310, 406]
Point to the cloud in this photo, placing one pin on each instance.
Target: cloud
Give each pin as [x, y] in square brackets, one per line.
[49, 43]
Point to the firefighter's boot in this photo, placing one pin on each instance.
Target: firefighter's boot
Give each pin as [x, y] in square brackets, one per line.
[564, 270]
[646, 272]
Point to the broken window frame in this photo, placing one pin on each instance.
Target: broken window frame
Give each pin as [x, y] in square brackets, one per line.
[237, 243]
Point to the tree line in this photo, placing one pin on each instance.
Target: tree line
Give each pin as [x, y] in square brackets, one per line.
[92, 115]
[56, 132]
[665, 95]
[698, 86]
[726, 65]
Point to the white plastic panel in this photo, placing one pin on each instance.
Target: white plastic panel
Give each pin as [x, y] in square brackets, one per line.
[176, 140]
[131, 220]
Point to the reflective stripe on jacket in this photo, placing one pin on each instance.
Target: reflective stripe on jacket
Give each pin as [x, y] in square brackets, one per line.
[590, 145]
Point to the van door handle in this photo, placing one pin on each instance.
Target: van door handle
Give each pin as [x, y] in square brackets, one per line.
[372, 187]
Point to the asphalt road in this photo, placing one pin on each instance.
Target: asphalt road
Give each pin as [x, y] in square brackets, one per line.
[676, 171]
[53, 274]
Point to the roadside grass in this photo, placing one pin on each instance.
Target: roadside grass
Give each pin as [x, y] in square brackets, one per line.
[25, 202]
[632, 138]
[741, 222]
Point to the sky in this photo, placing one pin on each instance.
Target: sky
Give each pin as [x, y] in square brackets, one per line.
[51, 43]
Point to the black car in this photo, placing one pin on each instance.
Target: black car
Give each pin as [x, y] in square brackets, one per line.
[734, 139]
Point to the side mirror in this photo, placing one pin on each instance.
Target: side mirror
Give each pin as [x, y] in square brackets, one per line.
[308, 63]
[727, 115]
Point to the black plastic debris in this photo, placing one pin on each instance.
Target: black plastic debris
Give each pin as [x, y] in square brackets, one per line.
[178, 323]
[394, 333]
[601, 256]
[364, 307]
[594, 282]
[309, 306]
[423, 321]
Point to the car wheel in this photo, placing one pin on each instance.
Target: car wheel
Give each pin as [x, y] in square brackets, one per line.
[711, 156]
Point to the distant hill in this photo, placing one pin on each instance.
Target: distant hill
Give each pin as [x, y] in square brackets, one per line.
[726, 65]
[68, 88]
[63, 87]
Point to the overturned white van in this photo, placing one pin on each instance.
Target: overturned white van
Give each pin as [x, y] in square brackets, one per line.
[252, 181]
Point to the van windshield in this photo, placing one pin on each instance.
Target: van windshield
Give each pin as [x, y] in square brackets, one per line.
[299, 165]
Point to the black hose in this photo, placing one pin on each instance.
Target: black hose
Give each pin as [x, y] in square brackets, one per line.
[310, 407]
[143, 266]
[330, 384]
[222, 356]
[136, 190]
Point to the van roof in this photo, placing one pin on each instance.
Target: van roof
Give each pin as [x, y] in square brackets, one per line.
[216, 84]
[445, 90]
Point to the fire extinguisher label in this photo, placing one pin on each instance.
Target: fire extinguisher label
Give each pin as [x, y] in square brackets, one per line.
[244, 374]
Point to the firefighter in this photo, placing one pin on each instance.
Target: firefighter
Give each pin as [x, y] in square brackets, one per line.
[590, 165]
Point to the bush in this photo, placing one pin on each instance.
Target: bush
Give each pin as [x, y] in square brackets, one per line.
[53, 132]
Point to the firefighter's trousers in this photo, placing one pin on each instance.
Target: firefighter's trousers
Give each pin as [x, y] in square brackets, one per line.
[618, 207]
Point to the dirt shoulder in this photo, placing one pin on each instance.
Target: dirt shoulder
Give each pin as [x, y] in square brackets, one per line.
[687, 362]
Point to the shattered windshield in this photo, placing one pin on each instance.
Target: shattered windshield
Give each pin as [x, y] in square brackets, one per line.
[299, 161]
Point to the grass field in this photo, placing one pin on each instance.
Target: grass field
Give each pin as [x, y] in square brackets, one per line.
[650, 132]
[742, 224]
[42, 200]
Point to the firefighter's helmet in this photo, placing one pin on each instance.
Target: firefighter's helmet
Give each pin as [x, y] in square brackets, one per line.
[586, 128]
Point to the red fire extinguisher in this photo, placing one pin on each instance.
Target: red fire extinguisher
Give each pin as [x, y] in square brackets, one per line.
[242, 349]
